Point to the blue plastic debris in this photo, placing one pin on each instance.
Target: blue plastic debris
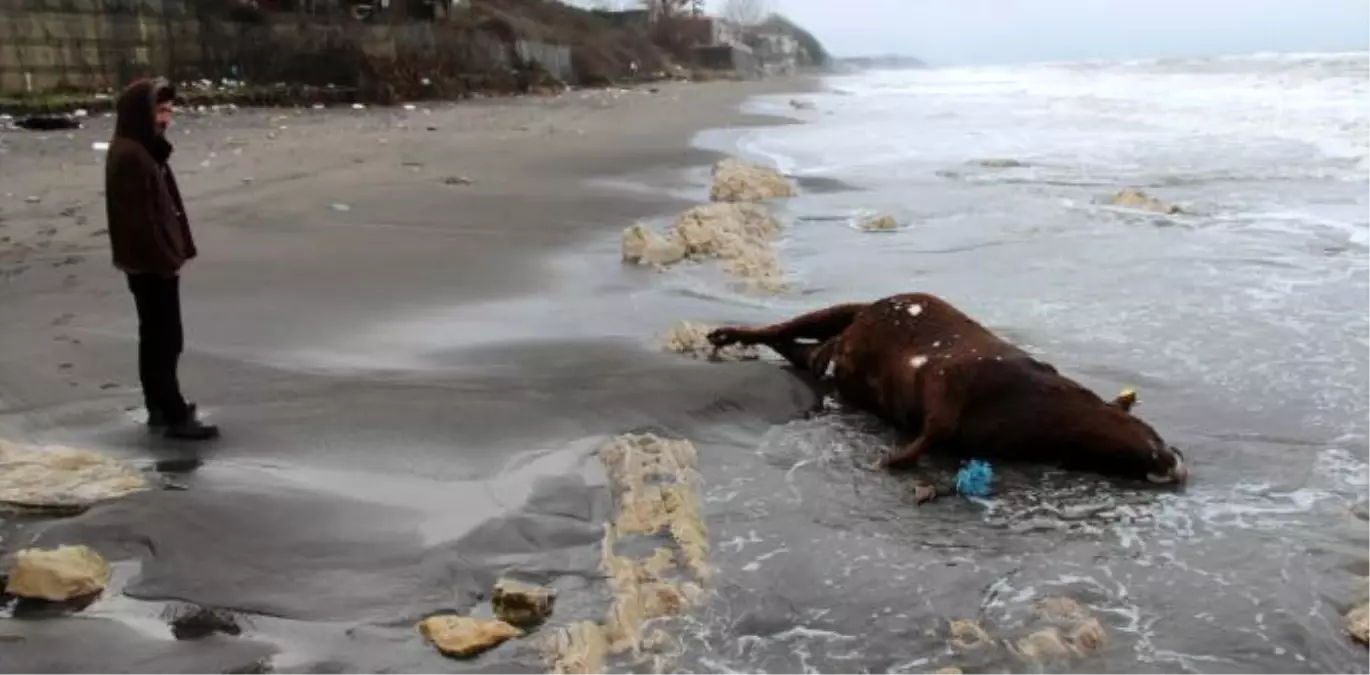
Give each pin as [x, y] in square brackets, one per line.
[973, 479]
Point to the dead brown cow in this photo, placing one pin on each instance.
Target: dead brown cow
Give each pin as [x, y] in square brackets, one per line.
[930, 370]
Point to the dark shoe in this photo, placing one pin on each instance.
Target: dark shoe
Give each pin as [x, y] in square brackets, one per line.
[192, 430]
[157, 418]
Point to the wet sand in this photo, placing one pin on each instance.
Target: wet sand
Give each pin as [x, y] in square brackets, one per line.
[375, 467]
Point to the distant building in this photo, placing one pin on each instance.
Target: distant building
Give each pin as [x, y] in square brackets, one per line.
[627, 17]
[777, 52]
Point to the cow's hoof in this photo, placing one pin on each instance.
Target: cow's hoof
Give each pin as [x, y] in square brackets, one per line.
[923, 494]
[723, 337]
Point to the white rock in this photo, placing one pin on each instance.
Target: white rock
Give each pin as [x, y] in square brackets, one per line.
[463, 636]
[57, 477]
[1133, 198]
[1358, 623]
[737, 181]
[645, 247]
[58, 574]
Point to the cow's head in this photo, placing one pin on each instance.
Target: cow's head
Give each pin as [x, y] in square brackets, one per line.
[1109, 439]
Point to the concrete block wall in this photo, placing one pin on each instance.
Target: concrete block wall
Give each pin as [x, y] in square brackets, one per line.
[86, 45]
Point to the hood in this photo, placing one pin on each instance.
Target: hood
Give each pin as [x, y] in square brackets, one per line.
[136, 117]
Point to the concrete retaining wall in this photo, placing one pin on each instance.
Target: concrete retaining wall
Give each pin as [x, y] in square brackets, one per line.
[86, 45]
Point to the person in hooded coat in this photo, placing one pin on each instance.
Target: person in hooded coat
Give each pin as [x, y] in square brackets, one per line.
[149, 236]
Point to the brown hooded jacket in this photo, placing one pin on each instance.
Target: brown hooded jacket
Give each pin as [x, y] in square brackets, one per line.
[148, 228]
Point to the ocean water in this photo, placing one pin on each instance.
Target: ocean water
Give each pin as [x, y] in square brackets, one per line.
[1242, 322]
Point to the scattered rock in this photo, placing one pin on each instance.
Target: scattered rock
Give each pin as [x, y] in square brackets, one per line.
[692, 340]
[258, 667]
[1044, 645]
[1358, 623]
[191, 622]
[463, 636]
[458, 180]
[1060, 609]
[644, 247]
[966, 634]
[1087, 636]
[724, 230]
[58, 575]
[737, 233]
[802, 105]
[737, 181]
[578, 649]
[1133, 198]
[521, 604]
[48, 123]
[32, 199]
[884, 223]
[62, 478]
[654, 482]
[1000, 163]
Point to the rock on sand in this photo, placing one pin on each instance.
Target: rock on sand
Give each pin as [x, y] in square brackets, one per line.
[645, 247]
[724, 230]
[463, 636]
[1044, 645]
[1133, 198]
[1358, 623]
[578, 649]
[521, 604]
[966, 634]
[58, 575]
[884, 223]
[62, 478]
[738, 233]
[737, 181]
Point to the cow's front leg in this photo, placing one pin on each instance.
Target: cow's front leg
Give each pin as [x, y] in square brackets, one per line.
[941, 404]
[907, 455]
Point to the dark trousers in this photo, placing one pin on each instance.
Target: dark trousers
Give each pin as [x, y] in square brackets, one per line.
[160, 342]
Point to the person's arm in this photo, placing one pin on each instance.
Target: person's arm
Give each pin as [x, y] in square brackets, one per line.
[141, 202]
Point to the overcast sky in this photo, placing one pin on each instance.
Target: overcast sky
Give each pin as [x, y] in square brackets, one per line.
[1006, 31]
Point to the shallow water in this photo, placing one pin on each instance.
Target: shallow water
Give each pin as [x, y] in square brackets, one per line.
[1242, 322]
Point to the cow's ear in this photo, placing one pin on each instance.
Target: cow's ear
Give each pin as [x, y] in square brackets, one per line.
[1125, 400]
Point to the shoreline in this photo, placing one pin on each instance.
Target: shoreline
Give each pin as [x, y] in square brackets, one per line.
[343, 505]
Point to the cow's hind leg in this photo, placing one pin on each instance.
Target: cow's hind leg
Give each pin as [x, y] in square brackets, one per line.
[814, 327]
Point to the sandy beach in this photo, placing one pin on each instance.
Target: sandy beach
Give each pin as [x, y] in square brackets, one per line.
[375, 467]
